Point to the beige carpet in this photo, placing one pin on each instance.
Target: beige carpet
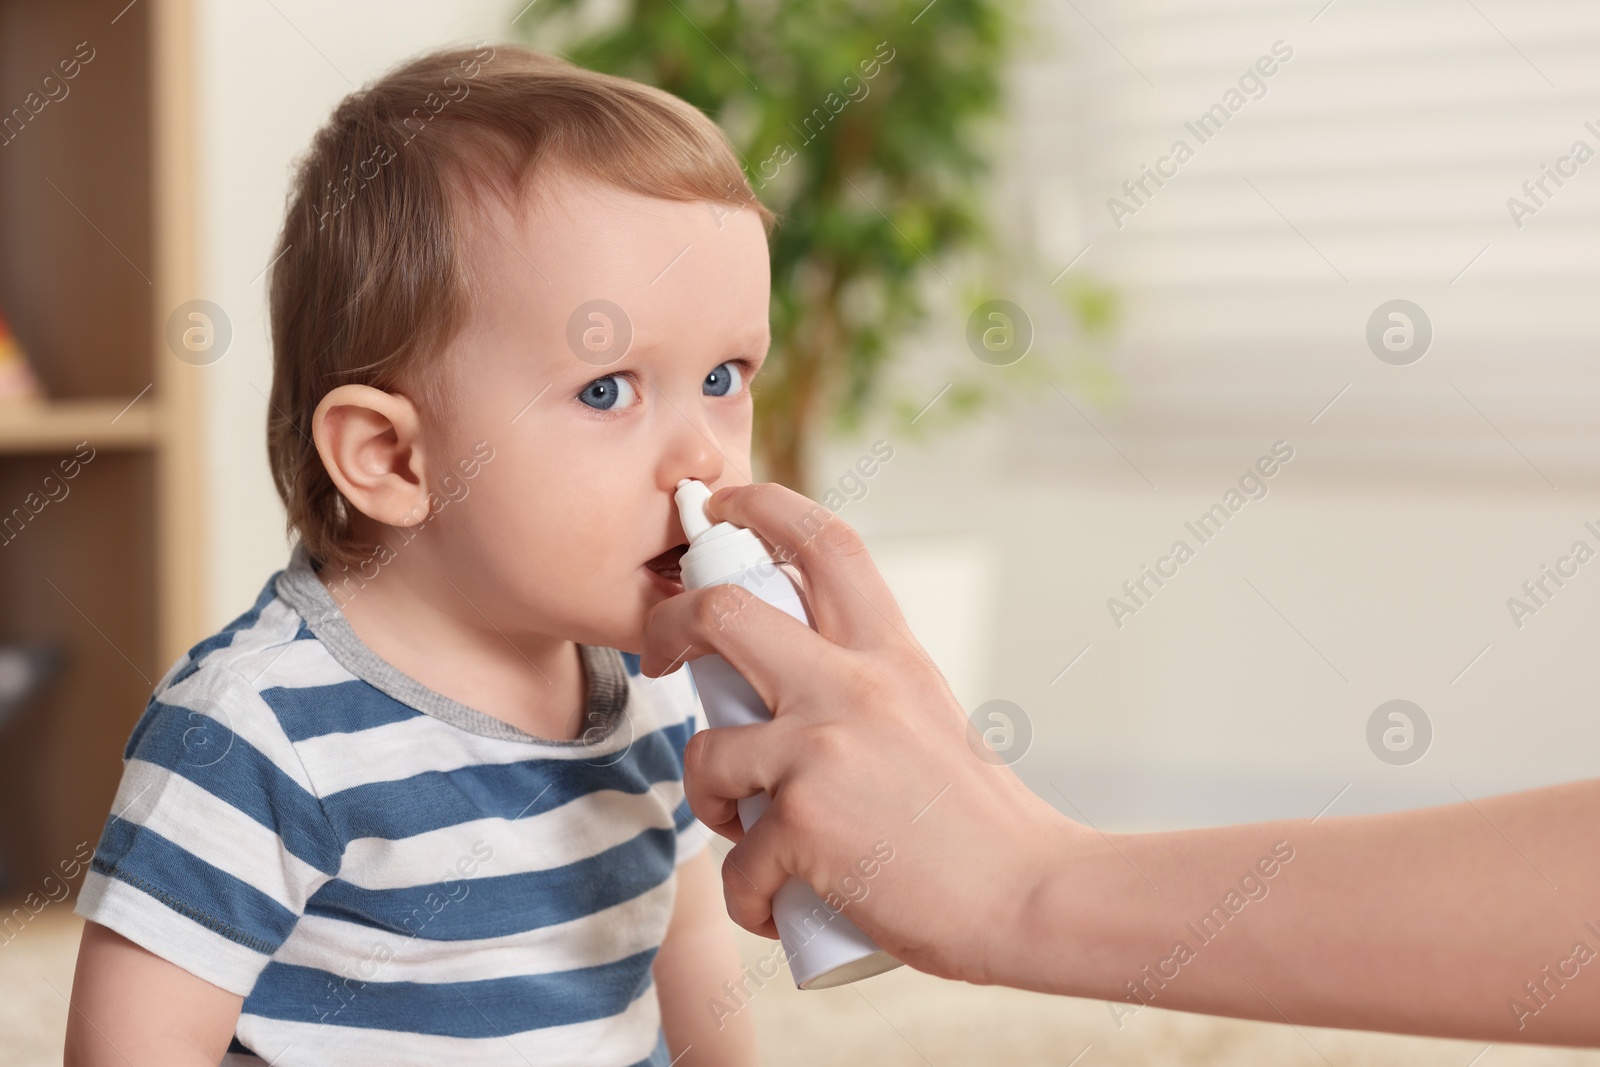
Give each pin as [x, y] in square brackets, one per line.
[907, 1019]
[900, 1018]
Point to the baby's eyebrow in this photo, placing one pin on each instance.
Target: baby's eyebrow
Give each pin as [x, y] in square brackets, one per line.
[757, 339]
[754, 342]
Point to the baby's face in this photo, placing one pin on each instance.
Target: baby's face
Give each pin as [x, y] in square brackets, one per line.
[591, 429]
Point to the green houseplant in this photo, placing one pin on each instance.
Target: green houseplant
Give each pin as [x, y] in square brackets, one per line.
[868, 127]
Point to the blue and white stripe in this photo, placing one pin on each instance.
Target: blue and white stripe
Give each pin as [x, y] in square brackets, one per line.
[397, 879]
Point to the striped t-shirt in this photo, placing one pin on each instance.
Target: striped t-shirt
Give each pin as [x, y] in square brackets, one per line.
[387, 875]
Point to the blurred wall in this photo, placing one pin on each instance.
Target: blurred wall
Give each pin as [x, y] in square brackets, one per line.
[1377, 160]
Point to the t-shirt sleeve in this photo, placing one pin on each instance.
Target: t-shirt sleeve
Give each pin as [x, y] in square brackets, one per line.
[693, 835]
[216, 838]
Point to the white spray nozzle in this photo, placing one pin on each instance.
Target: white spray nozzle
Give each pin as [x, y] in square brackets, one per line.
[691, 497]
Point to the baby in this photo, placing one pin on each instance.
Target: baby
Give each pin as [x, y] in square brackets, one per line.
[417, 805]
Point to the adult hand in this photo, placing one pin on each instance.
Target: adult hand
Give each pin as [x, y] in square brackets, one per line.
[869, 754]
[1427, 922]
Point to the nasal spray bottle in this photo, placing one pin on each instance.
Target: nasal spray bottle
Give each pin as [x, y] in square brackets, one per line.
[824, 948]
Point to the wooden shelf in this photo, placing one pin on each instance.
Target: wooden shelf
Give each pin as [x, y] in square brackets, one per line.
[97, 229]
[59, 425]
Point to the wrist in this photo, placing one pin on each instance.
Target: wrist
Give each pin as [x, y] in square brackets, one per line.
[1073, 928]
[1029, 949]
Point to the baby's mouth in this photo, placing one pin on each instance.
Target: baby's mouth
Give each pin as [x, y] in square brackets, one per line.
[666, 564]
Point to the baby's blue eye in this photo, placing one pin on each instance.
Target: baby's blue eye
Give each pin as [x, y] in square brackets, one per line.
[724, 380]
[609, 393]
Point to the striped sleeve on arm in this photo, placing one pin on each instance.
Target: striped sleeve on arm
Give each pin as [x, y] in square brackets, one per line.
[216, 838]
[693, 835]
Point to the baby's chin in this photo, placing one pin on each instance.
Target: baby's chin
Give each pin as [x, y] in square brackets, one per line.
[628, 639]
[618, 620]
[621, 629]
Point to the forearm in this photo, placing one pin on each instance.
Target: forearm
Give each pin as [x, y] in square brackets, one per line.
[702, 1022]
[696, 967]
[131, 1008]
[1427, 922]
[87, 1047]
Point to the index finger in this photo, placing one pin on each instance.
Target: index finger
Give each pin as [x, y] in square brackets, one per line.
[849, 600]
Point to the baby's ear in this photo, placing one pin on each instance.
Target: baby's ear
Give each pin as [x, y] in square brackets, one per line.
[371, 443]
